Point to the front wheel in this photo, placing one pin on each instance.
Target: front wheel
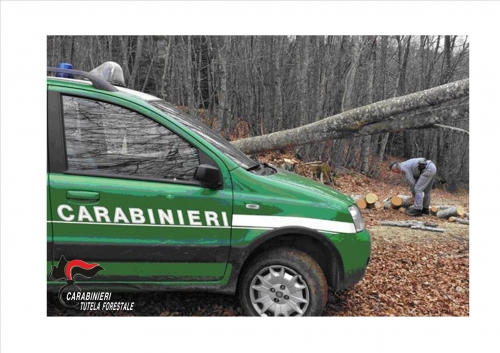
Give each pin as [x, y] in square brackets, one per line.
[283, 282]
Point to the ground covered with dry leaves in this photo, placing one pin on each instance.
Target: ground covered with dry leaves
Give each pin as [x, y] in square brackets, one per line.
[411, 273]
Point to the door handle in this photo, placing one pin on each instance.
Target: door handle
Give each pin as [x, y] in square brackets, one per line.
[82, 195]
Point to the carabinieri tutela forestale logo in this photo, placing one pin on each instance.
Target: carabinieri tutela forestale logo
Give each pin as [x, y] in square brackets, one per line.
[71, 296]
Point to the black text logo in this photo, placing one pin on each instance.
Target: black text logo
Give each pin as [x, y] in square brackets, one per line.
[68, 270]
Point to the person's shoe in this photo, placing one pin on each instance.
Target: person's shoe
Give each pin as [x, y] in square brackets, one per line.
[413, 212]
[426, 211]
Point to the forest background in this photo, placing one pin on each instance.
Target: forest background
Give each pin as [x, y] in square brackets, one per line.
[254, 85]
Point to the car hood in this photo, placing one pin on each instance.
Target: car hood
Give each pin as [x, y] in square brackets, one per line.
[293, 181]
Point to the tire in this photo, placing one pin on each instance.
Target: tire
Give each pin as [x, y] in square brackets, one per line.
[283, 282]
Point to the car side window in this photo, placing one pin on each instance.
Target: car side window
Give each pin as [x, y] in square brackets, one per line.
[108, 139]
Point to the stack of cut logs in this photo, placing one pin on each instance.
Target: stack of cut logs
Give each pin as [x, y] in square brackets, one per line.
[368, 201]
[400, 202]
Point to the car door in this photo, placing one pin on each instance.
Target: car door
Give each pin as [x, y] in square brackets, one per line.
[124, 196]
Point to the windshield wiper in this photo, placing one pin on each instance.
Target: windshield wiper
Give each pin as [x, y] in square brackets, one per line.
[255, 166]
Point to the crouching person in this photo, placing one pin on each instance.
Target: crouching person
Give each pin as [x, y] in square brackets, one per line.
[420, 174]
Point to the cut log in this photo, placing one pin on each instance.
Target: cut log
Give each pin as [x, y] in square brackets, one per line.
[396, 201]
[441, 207]
[406, 200]
[360, 201]
[371, 198]
[458, 220]
[401, 201]
[436, 208]
[457, 211]
[377, 205]
[387, 204]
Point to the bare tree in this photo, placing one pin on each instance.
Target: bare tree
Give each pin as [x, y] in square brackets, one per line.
[270, 83]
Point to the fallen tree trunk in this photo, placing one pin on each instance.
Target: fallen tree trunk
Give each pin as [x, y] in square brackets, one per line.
[417, 120]
[352, 121]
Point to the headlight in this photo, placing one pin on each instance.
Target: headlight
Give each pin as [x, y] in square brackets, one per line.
[357, 218]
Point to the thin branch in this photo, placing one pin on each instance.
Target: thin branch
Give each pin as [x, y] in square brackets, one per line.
[456, 129]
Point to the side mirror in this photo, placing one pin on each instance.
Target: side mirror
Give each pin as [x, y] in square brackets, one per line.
[208, 175]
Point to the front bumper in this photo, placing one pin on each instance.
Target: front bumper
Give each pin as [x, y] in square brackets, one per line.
[354, 251]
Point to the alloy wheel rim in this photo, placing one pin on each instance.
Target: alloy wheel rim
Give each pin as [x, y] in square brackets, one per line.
[279, 291]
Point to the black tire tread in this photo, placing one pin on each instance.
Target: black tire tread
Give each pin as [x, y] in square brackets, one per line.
[296, 260]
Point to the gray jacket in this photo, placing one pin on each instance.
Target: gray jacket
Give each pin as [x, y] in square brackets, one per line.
[410, 168]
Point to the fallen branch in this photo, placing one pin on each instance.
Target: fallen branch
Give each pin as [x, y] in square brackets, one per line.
[408, 224]
[419, 225]
[458, 220]
[456, 129]
[431, 229]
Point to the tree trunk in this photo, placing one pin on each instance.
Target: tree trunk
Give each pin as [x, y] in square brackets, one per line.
[349, 122]
[223, 48]
[380, 94]
[365, 141]
[188, 77]
[401, 90]
[165, 67]
[419, 120]
[349, 100]
[278, 99]
[124, 47]
[137, 61]
[303, 80]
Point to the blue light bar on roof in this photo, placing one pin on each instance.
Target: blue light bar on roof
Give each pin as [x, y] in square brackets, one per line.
[64, 66]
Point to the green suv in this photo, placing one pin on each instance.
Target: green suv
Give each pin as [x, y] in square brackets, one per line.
[162, 202]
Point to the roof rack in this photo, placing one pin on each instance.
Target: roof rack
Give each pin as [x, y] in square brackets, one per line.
[97, 81]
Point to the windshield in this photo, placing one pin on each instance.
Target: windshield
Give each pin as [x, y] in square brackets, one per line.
[206, 133]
